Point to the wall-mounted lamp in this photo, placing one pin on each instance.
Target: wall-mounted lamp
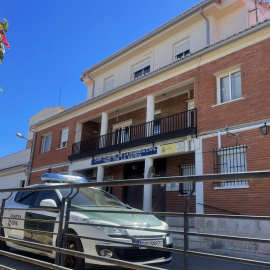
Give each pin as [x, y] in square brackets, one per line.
[264, 129]
[95, 131]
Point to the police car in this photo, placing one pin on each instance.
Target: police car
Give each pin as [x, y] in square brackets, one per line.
[86, 199]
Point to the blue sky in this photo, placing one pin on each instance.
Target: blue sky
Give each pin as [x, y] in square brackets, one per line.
[53, 41]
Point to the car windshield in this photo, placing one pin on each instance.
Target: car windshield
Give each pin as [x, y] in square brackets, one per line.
[92, 197]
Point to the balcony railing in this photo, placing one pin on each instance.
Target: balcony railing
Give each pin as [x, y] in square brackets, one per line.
[181, 124]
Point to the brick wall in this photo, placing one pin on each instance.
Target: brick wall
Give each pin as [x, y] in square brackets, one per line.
[118, 174]
[254, 200]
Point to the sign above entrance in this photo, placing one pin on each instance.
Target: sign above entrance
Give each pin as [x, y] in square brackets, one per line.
[172, 148]
[125, 156]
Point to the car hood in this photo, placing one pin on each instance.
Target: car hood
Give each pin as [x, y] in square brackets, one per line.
[124, 219]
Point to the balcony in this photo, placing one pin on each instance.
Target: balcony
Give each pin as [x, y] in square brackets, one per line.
[173, 126]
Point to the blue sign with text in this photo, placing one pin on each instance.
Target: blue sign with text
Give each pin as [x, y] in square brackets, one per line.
[128, 155]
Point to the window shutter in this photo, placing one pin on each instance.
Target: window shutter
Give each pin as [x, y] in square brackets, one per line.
[141, 66]
[109, 84]
[64, 137]
[182, 47]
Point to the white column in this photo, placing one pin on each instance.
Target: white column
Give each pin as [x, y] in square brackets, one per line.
[100, 174]
[78, 135]
[150, 109]
[104, 123]
[199, 171]
[147, 193]
[150, 114]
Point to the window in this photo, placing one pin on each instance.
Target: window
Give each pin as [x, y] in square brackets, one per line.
[47, 194]
[185, 170]
[182, 50]
[183, 188]
[109, 84]
[64, 138]
[229, 87]
[231, 160]
[141, 69]
[46, 143]
[121, 132]
[22, 183]
[26, 197]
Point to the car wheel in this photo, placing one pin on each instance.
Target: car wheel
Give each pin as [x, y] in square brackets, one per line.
[74, 262]
[3, 245]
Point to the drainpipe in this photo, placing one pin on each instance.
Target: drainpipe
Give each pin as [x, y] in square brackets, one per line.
[207, 28]
[93, 88]
[31, 157]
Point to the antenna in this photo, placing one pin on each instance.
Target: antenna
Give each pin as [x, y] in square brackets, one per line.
[260, 2]
[60, 94]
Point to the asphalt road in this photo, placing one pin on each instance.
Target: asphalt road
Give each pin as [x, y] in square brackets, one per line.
[195, 263]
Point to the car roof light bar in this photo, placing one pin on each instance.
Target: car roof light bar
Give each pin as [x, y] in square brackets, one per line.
[62, 178]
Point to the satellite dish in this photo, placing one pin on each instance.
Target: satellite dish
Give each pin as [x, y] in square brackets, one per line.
[151, 172]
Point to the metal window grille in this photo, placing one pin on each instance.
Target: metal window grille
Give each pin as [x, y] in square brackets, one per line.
[230, 159]
[185, 170]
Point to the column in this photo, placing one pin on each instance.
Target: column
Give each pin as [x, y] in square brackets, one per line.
[150, 114]
[199, 171]
[104, 123]
[147, 193]
[103, 129]
[100, 173]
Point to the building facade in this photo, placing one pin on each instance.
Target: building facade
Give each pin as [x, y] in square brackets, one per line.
[187, 98]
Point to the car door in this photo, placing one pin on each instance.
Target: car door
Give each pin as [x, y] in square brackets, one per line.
[37, 215]
[14, 223]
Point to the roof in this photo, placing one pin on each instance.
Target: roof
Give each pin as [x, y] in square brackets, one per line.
[156, 72]
[152, 33]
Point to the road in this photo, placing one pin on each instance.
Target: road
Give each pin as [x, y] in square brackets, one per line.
[195, 263]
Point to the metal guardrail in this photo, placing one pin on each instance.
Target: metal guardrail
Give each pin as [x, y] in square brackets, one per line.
[64, 223]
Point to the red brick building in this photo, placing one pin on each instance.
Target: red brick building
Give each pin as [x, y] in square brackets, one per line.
[188, 98]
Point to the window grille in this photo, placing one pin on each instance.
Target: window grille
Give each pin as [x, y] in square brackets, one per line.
[230, 160]
[185, 170]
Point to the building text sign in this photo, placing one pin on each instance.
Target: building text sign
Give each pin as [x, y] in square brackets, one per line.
[125, 156]
[172, 148]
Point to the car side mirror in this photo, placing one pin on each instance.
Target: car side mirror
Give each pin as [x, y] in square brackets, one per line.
[48, 203]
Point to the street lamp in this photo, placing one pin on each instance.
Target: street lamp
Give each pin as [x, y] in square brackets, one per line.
[21, 136]
[31, 154]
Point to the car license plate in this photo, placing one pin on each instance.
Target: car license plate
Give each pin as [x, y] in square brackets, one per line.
[153, 243]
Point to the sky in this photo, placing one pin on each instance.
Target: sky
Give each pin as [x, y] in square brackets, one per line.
[53, 41]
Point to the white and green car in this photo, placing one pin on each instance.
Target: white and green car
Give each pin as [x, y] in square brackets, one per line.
[87, 198]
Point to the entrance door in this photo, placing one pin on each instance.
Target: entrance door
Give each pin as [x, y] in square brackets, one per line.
[134, 194]
[159, 191]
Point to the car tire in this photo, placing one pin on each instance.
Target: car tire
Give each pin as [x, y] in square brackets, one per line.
[73, 262]
[3, 245]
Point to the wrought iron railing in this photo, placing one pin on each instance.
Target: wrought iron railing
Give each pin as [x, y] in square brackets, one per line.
[183, 123]
[229, 160]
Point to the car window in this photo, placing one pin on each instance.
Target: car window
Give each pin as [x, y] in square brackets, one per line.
[25, 197]
[47, 194]
[92, 197]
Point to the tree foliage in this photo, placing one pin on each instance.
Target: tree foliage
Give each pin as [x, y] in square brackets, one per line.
[3, 30]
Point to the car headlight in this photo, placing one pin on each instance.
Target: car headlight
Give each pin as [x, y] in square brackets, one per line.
[113, 231]
[165, 225]
[107, 230]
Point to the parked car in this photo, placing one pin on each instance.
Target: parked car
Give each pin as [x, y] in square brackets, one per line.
[86, 199]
